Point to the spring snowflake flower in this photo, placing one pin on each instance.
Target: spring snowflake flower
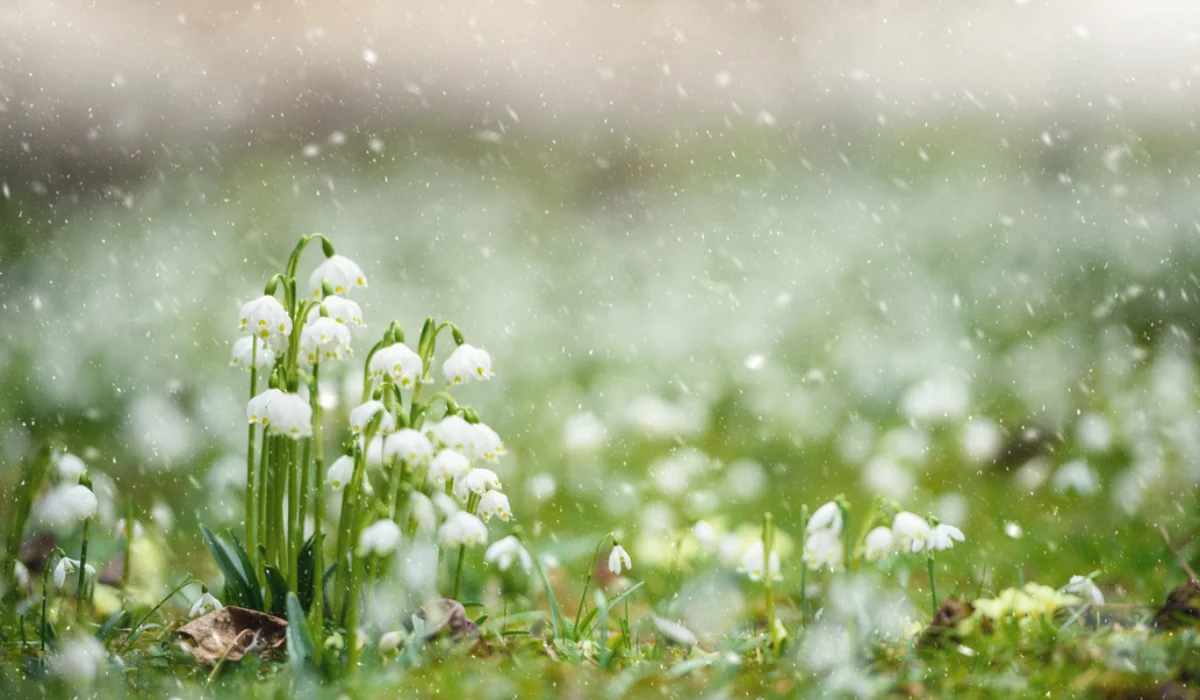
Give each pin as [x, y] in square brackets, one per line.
[462, 530]
[752, 563]
[69, 467]
[243, 354]
[943, 536]
[389, 642]
[827, 517]
[266, 318]
[324, 339]
[342, 273]
[467, 363]
[379, 538]
[455, 433]
[479, 481]
[68, 566]
[880, 543]
[256, 409]
[205, 604]
[911, 531]
[422, 513]
[494, 503]
[506, 551]
[488, 443]
[290, 416]
[409, 446]
[340, 309]
[1084, 586]
[617, 558]
[398, 360]
[823, 550]
[340, 472]
[447, 466]
[360, 417]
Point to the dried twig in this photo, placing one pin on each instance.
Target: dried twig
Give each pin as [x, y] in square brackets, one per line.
[1182, 562]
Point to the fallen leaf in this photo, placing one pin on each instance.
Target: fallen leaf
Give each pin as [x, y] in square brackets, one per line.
[1181, 609]
[446, 618]
[942, 627]
[231, 633]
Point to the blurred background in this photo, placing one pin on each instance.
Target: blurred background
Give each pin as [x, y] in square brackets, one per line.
[727, 256]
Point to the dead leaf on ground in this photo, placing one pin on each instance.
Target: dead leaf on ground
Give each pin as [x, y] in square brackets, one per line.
[446, 618]
[232, 630]
[1181, 609]
[951, 612]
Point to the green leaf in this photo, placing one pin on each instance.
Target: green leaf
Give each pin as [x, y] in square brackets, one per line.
[306, 564]
[556, 615]
[237, 590]
[110, 624]
[583, 624]
[278, 586]
[248, 568]
[299, 639]
[612, 603]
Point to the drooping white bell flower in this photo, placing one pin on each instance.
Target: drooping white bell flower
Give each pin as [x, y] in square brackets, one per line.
[827, 517]
[911, 531]
[205, 604]
[705, 534]
[244, 356]
[479, 481]
[467, 363]
[752, 563]
[1084, 586]
[389, 642]
[69, 467]
[398, 360]
[324, 339]
[506, 551]
[488, 443]
[342, 273]
[290, 416]
[448, 465]
[617, 559]
[444, 503]
[265, 317]
[880, 543]
[361, 416]
[462, 529]
[455, 433]
[71, 504]
[943, 536]
[409, 446]
[256, 408]
[67, 567]
[373, 454]
[379, 538]
[344, 311]
[494, 503]
[340, 472]
[823, 550]
[422, 513]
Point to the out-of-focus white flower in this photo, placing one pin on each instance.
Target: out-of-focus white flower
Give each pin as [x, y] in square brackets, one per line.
[244, 356]
[68, 566]
[361, 416]
[257, 407]
[488, 443]
[827, 517]
[20, 574]
[163, 516]
[542, 486]
[69, 467]
[705, 534]
[324, 339]
[583, 432]
[911, 531]
[340, 309]
[342, 273]
[138, 531]
[398, 360]
[409, 446]
[79, 660]
[444, 503]
[879, 543]
[494, 503]
[340, 472]
[823, 550]
[72, 503]
[506, 551]
[266, 318]
[379, 538]
[1076, 475]
[373, 455]
[422, 514]
[617, 558]
[1094, 433]
[981, 439]
[1084, 586]
[290, 416]
[467, 363]
[448, 465]
[462, 529]
[675, 632]
[937, 399]
[752, 563]
[455, 433]
[390, 642]
[205, 604]
[943, 536]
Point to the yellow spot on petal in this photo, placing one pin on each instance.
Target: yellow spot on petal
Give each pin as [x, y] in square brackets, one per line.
[361, 282]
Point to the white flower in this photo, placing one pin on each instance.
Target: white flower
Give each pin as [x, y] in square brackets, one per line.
[705, 535]
[1084, 586]
[256, 408]
[70, 566]
[480, 480]
[462, 529]
[138, 531]
[879, 543]
[340, 472]
[68, 505]
[266, 318]
[79, 660]
[455, 433]
[583, 432]
[448, 465]
[390, 641]
[379, 538]
[828, 516]
[488, 443]
[422, 514]
[69, 467]
[360, 417]
[205, 604]
[1076, 475]
[752, 563]
[290, 416]
[340, 309]
[398, 360]
[324, 339]
[243, 354]
[943, 536]
[467, 363]
[504, 552]
[911, 531]
[21, 574]
[494, 503]
[823, 550]
[617, 558]
[342, 273]
[374, 452]
[410, 446]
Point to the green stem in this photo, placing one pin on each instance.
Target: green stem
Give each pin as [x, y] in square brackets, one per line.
[355, 651]
[81, 591]
[587, 581]
[462, 555]
[933, 584]
[251, 530]
[127, 565]
[293, 509]
[768, 546]
[317, 612]
[261, 494]
[302, 506]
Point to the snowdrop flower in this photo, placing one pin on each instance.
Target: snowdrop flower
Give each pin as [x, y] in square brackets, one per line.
[340, 472]
[1084, 586]
[390, 642]
[342, 273]
[265, 317]
[422, 514]
[70, 566]
[462, 530]
[504, 552]
[467, 363]
[943, 536]
[410, 446]
[752, 563]
[910, 530]
[324, 339]
[340, 309]
[69, 467]
[256, 409]
[290, 416]
[823, 550]
[398, 360]
[448, 465]
[71, 504]
[205, 604]
[360, 417]
[455, 433]
[618, 557]
[488, 443]
[21, 574]
[379, 538]
[494, 503]
[243, 354]
[879, 543]
[827, 517]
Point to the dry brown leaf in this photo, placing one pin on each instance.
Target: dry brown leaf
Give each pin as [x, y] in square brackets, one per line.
[231, 633]
[446, 617]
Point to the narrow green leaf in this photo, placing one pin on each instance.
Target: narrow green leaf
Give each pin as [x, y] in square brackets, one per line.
[299, 639]
[237, 589]
[110, 624]
[556, 615]
[278, 586]
[256, 598]
[305, 575]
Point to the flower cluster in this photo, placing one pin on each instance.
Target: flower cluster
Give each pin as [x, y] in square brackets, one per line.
[823, 538]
